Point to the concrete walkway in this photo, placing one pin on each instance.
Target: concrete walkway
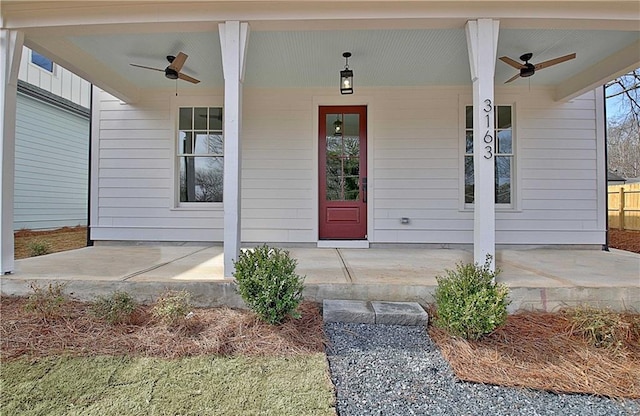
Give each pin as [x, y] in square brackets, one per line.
[538, 278]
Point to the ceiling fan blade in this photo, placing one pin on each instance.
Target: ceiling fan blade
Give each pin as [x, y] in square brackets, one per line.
[512, 62]
[179, 61]
[513, 78]
[555, 61]
[147, 67]
[188, 78]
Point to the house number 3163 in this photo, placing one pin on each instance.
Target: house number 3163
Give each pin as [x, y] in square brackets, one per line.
[488, 138]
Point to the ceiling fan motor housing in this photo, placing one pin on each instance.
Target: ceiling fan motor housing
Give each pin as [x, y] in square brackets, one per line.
[170, 73]
[527, 70]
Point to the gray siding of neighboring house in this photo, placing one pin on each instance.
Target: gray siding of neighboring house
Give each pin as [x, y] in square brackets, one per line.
[51, 171]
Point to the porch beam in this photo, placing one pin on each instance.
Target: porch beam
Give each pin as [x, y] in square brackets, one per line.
[234, 36]
[11, 43]
[64, 52]
[611, 67]
[482, 44]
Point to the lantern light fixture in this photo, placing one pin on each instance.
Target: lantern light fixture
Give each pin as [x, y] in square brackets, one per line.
[337, 127]
[346, 76]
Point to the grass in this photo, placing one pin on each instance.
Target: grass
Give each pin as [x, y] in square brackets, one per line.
[154, 386]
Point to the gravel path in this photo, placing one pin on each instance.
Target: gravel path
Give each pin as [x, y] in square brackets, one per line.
[397, 370]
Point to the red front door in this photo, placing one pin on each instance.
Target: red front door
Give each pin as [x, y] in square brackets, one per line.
[343, 172]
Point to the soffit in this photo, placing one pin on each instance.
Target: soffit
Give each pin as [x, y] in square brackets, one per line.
[393, 57]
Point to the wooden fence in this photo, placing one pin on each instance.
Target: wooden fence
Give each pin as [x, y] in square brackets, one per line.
[624, 206]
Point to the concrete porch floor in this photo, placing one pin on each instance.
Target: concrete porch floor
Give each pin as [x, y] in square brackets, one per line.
[542, 278]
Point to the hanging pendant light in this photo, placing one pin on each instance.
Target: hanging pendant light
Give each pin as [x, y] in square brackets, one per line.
[346, 76]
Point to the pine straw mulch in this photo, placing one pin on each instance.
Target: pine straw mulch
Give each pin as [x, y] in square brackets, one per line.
[538, 350]
[61, 239]
[628, 240]
[215, 331]
[532, 350]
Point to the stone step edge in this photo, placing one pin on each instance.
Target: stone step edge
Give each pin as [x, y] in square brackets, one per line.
[374, 312]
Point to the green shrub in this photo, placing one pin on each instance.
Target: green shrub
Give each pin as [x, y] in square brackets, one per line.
[469, 303]
[47, 302]
[268, 283]
[114, 309]
[172, 307]
[39, 248]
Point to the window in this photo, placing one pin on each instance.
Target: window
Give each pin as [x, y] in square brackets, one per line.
[200, 154]
[41, 61]
[503, 152]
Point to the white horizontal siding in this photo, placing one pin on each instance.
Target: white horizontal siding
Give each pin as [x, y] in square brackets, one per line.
[416, 167]
[277, 167]
[135, 176]
[415, 146]
[51, 166]
[557, 151]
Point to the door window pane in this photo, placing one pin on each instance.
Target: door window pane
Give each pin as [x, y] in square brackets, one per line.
[351, 125]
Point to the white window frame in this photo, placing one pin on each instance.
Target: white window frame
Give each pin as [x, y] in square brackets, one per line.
[182, 102]
[514, 205]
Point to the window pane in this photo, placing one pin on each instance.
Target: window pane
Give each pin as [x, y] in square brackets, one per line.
[468, 180]
[201, 179]
[215, 118]
[504, 117]
[469, 117]
[185, 119]
[200, 118]
[208, 143]
[469, 141]
[503, 179]
[184, 142]
[504, 141]
[42, 61]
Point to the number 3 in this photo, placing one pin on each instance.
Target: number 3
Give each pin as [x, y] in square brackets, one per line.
[489, 150]
[488, 106]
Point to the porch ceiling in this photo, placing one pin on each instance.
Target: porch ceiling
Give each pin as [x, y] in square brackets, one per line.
[396, 51]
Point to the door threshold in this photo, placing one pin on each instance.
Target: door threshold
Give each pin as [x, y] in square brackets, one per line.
[343, 243]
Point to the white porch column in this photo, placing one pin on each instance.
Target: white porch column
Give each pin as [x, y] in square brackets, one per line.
[233, 42]
[11, 43]
[482, 43]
